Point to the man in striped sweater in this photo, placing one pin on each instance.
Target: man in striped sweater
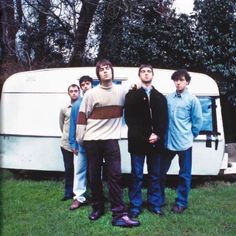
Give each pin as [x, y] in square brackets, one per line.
[99, 129]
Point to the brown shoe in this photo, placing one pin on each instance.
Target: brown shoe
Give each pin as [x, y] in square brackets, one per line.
[178, 209]
[75, 205]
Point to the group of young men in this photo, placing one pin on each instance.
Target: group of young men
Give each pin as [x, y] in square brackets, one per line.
[159, 127]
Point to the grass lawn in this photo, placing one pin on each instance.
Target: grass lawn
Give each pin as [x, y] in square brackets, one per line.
[33, 208]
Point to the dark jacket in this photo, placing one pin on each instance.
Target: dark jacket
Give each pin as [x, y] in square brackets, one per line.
[143, 118]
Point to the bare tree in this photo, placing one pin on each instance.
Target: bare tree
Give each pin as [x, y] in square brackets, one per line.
[11, 17]
[43, 9]
[111, 26]
[85, 20]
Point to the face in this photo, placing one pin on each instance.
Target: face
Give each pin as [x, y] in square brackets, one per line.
[105, 73]
[146, 75]
[86, 85]
[73, 93]
[181, 84]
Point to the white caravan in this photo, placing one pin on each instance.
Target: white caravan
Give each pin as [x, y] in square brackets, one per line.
[30, 105]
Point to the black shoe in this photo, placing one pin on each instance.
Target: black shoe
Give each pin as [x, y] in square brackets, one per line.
[178, 209]
[125, 221]
[65, 198]
[158, 212]
[96, 214]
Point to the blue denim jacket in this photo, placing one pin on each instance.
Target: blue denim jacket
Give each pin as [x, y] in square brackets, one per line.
[185, 120]
[73, 122]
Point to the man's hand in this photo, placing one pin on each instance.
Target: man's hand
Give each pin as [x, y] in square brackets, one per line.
[75, 151]
[153, 138]
[135, 86]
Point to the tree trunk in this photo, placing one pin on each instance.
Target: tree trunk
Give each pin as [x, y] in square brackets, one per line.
[111, 29]
[8, 30]
[41, 50]
[86, 17]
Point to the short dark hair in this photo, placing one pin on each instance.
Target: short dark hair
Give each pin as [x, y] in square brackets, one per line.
[104, 62]
[84, 79]
[143, 66]
[73, 85]
[181, 73]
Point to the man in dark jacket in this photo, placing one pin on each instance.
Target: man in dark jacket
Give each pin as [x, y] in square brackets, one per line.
[146, 118]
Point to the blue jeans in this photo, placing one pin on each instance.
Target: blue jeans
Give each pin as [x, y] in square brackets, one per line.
[184, 178]
[153, 190]
[68, 158]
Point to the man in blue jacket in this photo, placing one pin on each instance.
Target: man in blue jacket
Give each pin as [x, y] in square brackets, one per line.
[80, 159]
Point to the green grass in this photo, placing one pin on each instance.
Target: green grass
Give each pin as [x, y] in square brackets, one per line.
[33, 208]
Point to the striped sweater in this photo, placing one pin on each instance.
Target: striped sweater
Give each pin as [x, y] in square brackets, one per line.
[100, 115]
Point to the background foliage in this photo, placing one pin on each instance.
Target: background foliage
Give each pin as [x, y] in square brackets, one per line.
[55, 33]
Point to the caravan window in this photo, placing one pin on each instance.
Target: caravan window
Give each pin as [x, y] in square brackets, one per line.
[115, 81]
[209, 115]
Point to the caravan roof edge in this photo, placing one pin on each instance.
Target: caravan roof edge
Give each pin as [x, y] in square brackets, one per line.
[58, 80]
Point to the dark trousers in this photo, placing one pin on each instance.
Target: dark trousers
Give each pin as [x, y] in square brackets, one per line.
[109, 151]
[135, 189]
[68, 158]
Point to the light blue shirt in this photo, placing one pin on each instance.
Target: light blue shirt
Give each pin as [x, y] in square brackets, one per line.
[148, 90]
[185, 120]
[72, 129]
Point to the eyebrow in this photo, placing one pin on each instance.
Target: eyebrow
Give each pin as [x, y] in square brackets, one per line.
[104, 66]
[85, 82]
[148, 69]
[179, 78]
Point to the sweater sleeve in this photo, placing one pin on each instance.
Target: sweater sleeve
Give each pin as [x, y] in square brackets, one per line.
[61, 119]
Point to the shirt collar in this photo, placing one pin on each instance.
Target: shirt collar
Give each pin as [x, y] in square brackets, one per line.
[180, 95]
[106, 87]
[147, 89]
[71, 104]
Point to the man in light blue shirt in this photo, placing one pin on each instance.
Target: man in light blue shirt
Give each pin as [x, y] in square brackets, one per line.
[80, 158]
[185, 122]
